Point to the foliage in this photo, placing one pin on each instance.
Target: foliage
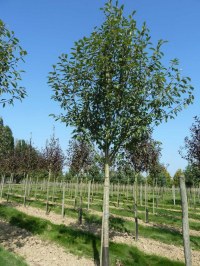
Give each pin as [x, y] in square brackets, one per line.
[114, 84]
[192, 175]
[192, 144]
[143, 152]
[160, 176]
[6, 145]
[11, 54]
[176, 177]
[53, 155]
[80, 156]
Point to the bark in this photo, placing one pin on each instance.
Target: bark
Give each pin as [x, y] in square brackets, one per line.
[89, 186]
[2, 185]
[135, 210]
[36, 186]
[185, 222]
[174, 194]
[105, 218]
[47, 202]
[25, 190]
[80, 212]
[146, 205]
[63, 201]
[118, 194]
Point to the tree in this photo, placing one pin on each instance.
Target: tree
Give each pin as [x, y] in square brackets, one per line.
[192, 175]
[191, 150]
[53, 156]
[176, 177]
[113, 86]
[143, 152]
[11, 54]
[6, 146]
[80, 156]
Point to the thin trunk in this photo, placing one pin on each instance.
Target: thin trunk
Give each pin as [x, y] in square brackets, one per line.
[89, 186]
[135, 209]
[25, 190]
[146, 204]
[2, 185]
[80, 212]
[185, 223]
[141, 189]
[174, 194]
[36, 186]
[63, 201]
[47, 202]
[105, 219]
[153, 196]
[118, 194]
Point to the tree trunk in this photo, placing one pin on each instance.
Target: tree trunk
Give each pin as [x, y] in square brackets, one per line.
[89, 186]
[185, 223]
[2, 185]
[153, 196]
[146, 205]
[135, 209]
[105, 218]
[47, 202]
[25, 190]
[174, 194]
[63, 201]
[118, 194]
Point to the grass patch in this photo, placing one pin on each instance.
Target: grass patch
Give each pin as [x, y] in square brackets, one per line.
[9, 259]
[79, 242]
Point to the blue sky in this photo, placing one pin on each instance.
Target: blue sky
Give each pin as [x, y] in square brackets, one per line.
[47, 28]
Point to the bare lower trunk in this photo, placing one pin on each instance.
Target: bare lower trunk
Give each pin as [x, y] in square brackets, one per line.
[174, 194]
[48, 183]
[25, 190]
[185, 222]
[105, 219]
[146, 205]
[63, 201]
[135, 209]
[2, 185]
[89, 186]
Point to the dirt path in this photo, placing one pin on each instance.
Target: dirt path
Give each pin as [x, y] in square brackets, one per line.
[35, 251]
[146, 245]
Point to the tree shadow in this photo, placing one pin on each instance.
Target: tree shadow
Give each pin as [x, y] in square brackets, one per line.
[95, 253]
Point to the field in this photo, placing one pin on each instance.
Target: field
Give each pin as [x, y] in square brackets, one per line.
[58, 217]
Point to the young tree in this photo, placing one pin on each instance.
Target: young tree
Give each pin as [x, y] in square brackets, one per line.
[80, 156]
[142, 153]
[11, 54]
[113, 86]
[191, 150]
[6, 146]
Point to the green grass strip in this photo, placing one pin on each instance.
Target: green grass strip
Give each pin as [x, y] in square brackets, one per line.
[79, 242]
[9, 259]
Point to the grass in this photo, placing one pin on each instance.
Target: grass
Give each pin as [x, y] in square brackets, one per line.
[79, 242]
[9, 259]
[119, 224]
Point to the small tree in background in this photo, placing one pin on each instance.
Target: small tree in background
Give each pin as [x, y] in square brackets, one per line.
[142, 153]
[11, 54]
[80, 156]
[113, 86]
[53, 156]
[191, 152]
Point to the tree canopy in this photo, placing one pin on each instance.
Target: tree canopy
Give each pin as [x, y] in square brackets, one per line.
[11, 53]
[114, 83]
